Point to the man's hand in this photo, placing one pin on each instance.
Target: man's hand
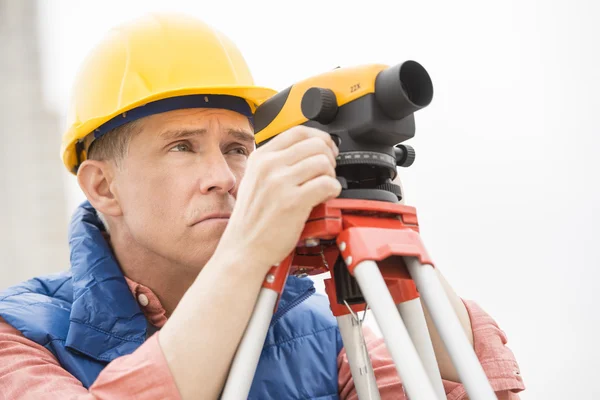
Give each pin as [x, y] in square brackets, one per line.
[284, 180]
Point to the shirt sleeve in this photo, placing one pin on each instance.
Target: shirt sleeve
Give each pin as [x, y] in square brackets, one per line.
[489, 342]
[30, 371]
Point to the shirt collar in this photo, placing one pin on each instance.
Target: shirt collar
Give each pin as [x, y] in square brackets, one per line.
[149, 303]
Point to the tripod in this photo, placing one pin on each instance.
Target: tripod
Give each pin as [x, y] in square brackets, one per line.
[381, 248]
[365, 238]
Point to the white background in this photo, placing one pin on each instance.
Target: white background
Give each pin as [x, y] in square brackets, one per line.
[505, 179]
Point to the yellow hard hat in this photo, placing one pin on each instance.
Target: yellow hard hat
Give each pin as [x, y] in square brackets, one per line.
[151, 60]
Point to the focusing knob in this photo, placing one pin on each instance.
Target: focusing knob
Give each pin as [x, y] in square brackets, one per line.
[405, 155]
[319, 105]
[390, 187]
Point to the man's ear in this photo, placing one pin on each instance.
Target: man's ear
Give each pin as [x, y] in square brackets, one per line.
[95, 178]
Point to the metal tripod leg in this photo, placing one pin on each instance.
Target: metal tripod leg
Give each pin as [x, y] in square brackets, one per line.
[358, 357]
[241, 374]
[408, 364]
[246, 358]
[414, 319]
[444, 317]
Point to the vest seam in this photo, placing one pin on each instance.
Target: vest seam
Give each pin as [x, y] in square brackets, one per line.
[28, 304]
[86, 289]
[334, 394]
[37, 293]
[313, 333]
[60, 286]
[95, 357]
[18, 294]
[109, 333]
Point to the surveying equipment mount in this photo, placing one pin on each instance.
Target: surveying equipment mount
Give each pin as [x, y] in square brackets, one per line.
[365, 237]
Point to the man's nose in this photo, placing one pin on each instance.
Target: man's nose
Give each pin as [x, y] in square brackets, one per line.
[216, 174]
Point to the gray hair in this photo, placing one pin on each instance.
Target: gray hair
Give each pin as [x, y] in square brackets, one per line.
[113, 146]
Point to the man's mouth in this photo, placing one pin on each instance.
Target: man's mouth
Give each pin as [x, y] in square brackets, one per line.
[213, 216]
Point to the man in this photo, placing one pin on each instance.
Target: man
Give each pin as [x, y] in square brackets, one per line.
[169, 252]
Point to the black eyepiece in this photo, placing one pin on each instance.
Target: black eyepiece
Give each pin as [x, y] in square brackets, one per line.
[416, 83]
[403, 89]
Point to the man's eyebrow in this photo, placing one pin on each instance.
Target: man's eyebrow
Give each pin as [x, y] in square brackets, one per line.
[175, 134]
[241, 135]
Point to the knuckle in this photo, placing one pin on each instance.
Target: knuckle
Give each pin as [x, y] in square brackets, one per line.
[268, 161]
[263, 167]
[323, 162]
[318, 145]
[310, 132]
[323, 144]
[277, 177]
[331, 185]
[326, 137]
[318, 164]
[303, 132]
[336, 186]
[287, 132]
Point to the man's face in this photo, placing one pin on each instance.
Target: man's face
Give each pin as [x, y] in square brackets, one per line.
[178, 182]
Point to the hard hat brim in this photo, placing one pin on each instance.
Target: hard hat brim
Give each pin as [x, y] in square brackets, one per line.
[254, 95]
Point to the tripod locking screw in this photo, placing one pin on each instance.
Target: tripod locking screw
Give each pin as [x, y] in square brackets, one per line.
[312, 242]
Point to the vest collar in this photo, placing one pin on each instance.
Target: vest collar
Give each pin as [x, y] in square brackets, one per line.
[106, 322]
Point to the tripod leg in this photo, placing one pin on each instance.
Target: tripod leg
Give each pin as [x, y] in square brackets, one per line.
[444, 317]
[358, 357]
[246, 358]
[241, 374]
[405, 356]
[414, 318]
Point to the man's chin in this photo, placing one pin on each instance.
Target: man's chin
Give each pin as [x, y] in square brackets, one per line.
[197, 255]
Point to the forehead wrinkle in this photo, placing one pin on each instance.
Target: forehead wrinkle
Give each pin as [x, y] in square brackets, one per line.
[188, 125]
[180, 133]
[173, 134]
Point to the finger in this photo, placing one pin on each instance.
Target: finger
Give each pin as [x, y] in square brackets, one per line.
[319, 190]
[295, 135]
[310, 168]
[307, 148]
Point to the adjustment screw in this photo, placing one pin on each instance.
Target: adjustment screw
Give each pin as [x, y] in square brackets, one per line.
[312, 242]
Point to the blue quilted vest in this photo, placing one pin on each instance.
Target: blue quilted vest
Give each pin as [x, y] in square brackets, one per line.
[88, 317]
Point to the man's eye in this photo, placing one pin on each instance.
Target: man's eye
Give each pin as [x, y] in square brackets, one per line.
[181, 147]
[240, 150]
